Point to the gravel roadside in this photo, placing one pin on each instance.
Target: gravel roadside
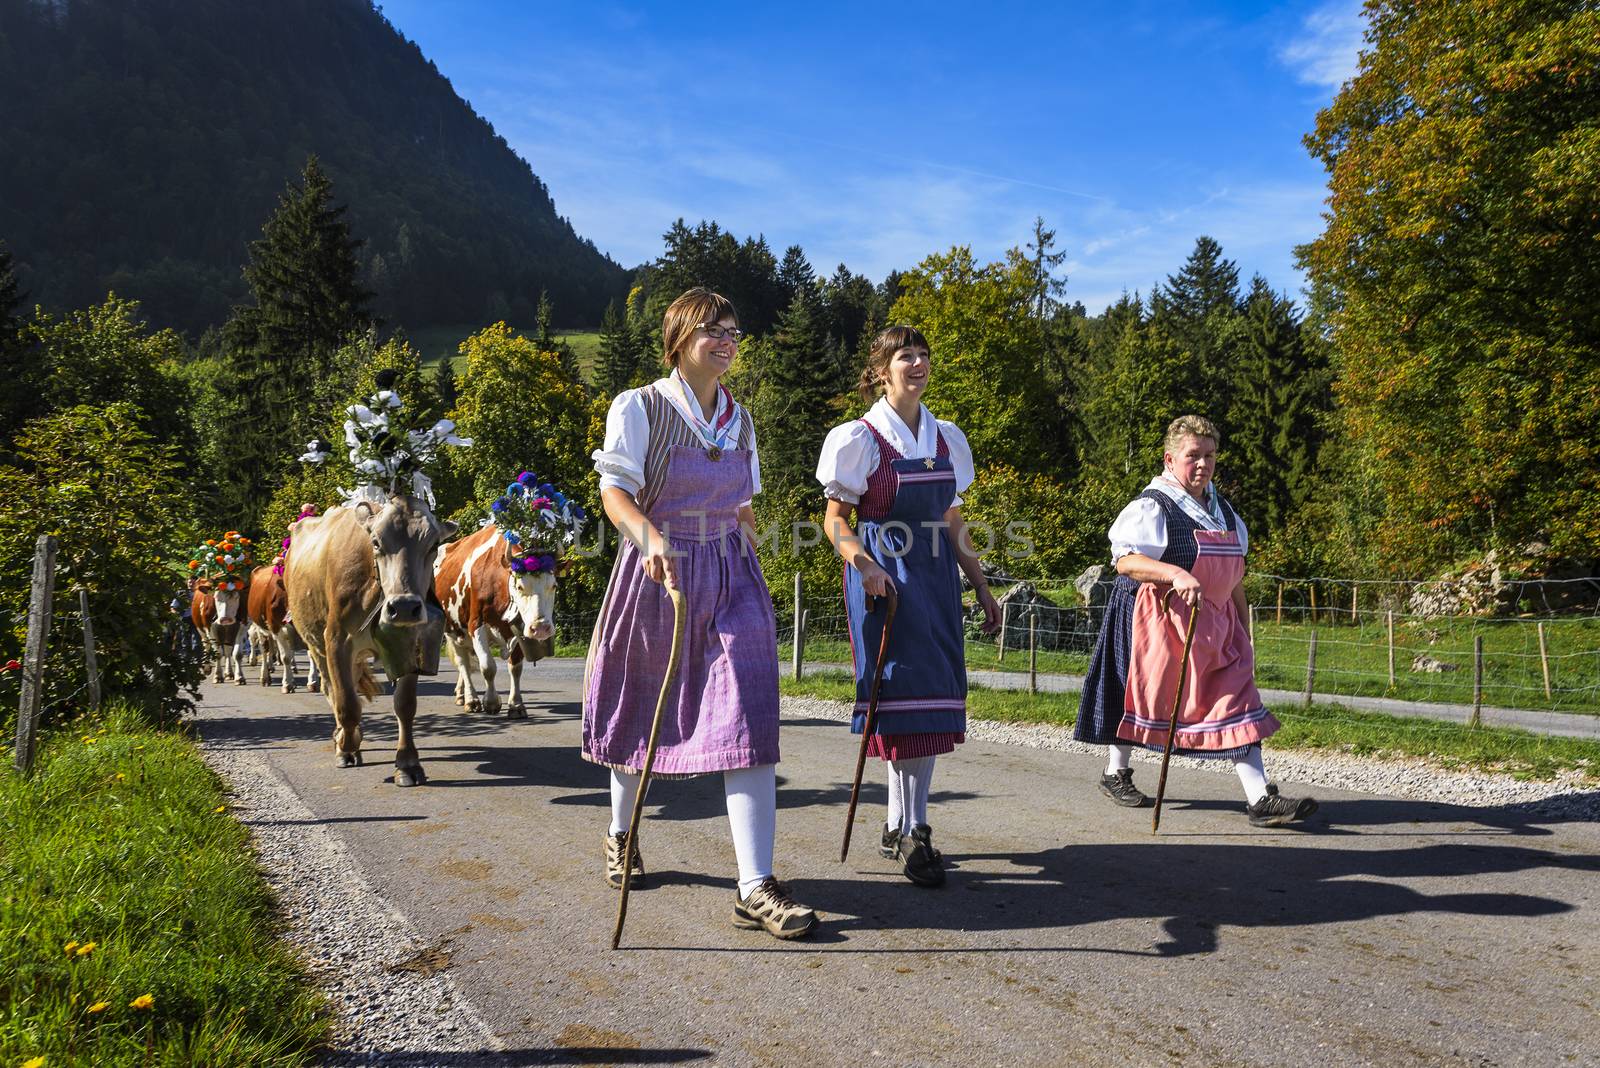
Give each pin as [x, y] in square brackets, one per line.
[396, 1005]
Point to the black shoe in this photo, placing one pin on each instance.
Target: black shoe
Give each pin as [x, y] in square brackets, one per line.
[921, 863]
[1274, 810]
[1119, 787]
[889, 845]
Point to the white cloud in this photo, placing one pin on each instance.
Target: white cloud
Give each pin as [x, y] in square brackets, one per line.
[1327, 49]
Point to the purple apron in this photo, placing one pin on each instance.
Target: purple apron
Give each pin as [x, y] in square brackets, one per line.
[723, 710]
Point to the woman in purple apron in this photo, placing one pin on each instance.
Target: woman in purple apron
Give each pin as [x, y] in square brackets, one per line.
[677, 474]
[899, 470]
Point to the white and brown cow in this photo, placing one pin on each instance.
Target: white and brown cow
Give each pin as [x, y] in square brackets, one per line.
[486, 603]
[217, 611]
[267, 610]
[358, 585]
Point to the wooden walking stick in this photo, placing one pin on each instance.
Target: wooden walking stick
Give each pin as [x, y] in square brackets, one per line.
[679, 615]
[1172, 725]
[872, 717]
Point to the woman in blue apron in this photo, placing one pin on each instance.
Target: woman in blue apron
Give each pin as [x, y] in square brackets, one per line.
[900, 471]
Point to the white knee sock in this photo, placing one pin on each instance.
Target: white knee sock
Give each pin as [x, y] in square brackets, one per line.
[1118, 758]
[897, 805]
[912, 778]
[1252, 776]
[624, 788]
[753, 817]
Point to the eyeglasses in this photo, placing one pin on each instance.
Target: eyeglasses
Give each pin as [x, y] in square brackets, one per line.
[716, 332]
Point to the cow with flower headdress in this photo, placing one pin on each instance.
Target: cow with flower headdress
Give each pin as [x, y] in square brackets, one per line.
[271, 629]
[358, 576]
[220, 572]
[498, 587]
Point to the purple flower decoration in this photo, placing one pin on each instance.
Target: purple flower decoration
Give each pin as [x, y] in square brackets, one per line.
[527, 478]
[498, 506]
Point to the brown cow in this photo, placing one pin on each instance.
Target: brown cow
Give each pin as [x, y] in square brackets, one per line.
[271, 632]
[486, 603]
[215, 613]
[357, 579]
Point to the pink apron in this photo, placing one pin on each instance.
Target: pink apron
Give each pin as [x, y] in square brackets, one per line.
[1221, 708]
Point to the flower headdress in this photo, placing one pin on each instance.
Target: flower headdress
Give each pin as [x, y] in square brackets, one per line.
[536, 520]
[224, 561]
[389, 454]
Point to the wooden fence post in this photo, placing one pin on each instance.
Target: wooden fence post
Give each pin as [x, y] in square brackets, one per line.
[1391, 648]
[90, 667]
[1313, 604]
[1477, 681]
[1033, 654]
[799, 626]
[1280, 604]
[1000, 656]
[1544, 661]
[39, 602]
[1354, 589]
[1311, 666]
[1252, 628]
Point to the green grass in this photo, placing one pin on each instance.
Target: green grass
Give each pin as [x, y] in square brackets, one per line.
[116, 842]
[435, 343]
[1330, 728]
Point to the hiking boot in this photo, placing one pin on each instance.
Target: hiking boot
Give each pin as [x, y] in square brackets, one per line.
[615, 843]
[889, 844]
[769, 907]
[1119, 787]
[921, 863]
[1274, 810]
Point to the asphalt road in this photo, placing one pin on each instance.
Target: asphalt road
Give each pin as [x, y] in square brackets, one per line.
[1385, 932]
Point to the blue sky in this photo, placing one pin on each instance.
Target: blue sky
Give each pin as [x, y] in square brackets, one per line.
[874, 134]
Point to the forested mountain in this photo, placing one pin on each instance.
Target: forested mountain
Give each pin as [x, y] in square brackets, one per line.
[144, 142]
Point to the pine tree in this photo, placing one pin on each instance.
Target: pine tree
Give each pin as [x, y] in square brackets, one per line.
[20, 364]
[1199, 308]
[794, 275]
[1272, 432]
[614, 367]
[799, 397]
[1046, 286]
[444, 385]
[303, 274]
[1206, 283]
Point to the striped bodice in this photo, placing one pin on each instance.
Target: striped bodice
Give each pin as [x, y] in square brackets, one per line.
[884, 481]
[668, 428]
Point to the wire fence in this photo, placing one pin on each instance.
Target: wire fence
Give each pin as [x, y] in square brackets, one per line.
[1369, 642]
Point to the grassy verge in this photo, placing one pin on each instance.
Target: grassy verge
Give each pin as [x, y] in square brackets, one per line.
[135, 927]
[1447, 745]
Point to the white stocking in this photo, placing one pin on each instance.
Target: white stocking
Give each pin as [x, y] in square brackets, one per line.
[1118, 758]
[624, 788]
[753, 818]
[897, 805]
[1252, 776]
[913, 778]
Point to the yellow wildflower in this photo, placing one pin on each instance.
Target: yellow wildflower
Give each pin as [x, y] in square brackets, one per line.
[88, 739]
[137, 748]
[100, 1006]
[120, 776]
[143, 1001]
[87, 948]
[69, 947]
[220, 808]
[37, 1062]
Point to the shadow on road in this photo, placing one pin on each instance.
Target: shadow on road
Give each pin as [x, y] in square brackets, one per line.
[515, 1058]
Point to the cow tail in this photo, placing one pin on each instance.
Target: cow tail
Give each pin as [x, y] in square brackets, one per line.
[366, 682]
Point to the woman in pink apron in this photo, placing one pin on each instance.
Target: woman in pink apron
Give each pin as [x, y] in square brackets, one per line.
[1180, 544]
[677, 473]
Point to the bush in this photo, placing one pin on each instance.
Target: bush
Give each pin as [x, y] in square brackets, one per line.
[114, 501]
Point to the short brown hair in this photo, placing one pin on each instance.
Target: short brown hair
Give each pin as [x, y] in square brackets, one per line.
[684, 316]
[1189, 426]
[890, 340]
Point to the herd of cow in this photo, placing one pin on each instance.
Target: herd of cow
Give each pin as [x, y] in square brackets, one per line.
[380, 578]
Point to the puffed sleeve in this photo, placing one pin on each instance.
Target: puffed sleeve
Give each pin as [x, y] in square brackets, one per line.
[849, 456]
[621, 460]
[960, 458]
[1140, 528]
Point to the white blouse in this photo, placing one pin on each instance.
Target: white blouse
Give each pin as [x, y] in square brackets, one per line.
[620, 460]
[1141, 527]
[850, 454]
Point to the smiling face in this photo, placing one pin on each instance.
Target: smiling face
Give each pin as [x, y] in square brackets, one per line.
[705, 355]
[1192, 463]
[906, 375]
